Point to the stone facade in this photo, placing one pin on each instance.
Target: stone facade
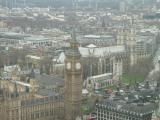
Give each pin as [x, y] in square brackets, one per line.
[73, 82]
[23, 101]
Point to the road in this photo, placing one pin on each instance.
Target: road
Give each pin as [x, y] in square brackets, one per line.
[155, 63]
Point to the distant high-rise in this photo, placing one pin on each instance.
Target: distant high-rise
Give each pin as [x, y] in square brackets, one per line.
[123, 6]
[35, 3]
[74, 4]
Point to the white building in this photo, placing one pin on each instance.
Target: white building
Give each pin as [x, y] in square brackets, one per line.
[99, 81]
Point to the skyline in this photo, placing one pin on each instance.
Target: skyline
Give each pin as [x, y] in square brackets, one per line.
[79, 60]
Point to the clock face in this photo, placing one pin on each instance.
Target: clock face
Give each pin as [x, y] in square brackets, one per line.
[78, 66]
[68, 66]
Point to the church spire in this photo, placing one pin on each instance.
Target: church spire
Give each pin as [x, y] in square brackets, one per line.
[73, 51]
[73, 35]
[15, 90]
[74, 43]
[32, 74]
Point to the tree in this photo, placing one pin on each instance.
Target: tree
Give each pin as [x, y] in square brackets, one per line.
[47, 64]
[155, 76]
[138, 72]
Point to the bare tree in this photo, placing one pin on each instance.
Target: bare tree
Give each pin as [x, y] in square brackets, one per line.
[142, 68]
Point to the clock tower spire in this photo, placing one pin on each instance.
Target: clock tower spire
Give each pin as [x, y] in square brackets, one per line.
[73, 81]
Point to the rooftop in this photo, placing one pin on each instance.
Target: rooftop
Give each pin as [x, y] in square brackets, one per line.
[49, 80]
[38, 101]
[102, 75]
[33, 57]
[128, 108]
[85, 52]
[139, 101]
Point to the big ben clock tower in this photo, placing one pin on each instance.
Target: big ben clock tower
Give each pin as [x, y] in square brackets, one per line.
[73, 81]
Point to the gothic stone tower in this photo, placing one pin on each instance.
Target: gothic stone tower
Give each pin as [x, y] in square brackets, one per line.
[73, 81]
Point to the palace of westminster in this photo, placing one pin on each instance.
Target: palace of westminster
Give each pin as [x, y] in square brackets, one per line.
[46, 74]
[37, 96]
[30, 101]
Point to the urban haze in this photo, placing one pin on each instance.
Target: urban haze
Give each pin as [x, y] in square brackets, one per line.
[79, 59]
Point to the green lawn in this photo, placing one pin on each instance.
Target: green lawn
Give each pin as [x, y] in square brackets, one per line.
[113, 87]
[132, 79]
[86, 109]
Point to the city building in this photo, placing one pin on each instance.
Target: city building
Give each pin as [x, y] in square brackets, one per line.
[116, 110]
[30, 95]
[131, 104]
[138, 45]
[106, 60]
[45, 76]
[98, 40]
[123, 6]
[73, 81]
[98, 82]
[31, 99]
